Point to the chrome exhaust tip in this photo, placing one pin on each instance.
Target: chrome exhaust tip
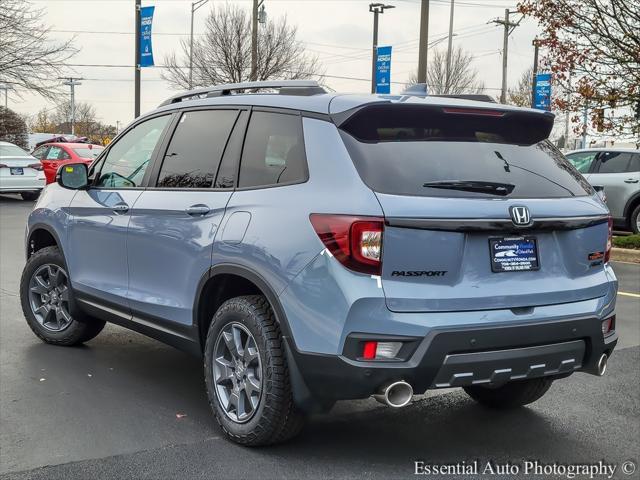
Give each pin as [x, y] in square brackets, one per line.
[396, 394]
[602, 364]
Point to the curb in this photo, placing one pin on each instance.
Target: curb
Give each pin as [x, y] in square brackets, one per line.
[625, 255]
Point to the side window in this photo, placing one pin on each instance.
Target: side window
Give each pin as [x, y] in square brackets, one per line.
[63, 155]
[40, 152]
[194, 152]
[128, 159]
[54, 153]
[227, 172]
[613, 162]
[634, 165]
[273, 150]
[582, 160]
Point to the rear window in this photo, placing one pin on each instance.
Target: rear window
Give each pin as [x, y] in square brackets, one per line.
[429, 151]
[88, 152]
[12, 151]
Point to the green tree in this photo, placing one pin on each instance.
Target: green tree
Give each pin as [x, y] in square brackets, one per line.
[13, 128]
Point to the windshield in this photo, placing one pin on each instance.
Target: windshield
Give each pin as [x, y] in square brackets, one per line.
[88, 152]
[12, 151]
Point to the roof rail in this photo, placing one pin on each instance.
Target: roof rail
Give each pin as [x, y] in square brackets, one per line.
[285, 87]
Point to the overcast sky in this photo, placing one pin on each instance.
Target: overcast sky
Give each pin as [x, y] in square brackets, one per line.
[338, 31]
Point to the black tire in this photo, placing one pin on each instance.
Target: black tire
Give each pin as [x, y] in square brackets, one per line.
[30, 196]
[80, 329]
[510, 395]
[633, 220]
[275, 418]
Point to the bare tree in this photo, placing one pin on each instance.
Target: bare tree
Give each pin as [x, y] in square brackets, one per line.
[520, 95]
[28, 59]
[463, 78]
[223, 54]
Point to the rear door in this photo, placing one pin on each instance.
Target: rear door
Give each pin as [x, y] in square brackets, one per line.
[481, 212]
[175, 221]
[618, 173]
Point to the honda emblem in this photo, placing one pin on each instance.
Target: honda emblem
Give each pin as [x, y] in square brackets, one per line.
[520, 216]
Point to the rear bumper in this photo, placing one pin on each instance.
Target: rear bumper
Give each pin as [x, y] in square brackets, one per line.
[22, 183]
[456, 357]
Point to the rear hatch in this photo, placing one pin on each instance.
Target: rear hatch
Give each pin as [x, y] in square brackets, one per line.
[481, 211]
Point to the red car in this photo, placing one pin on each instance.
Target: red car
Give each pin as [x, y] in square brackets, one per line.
[52, 155]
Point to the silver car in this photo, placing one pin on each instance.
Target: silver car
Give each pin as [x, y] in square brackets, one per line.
[20, 172]
[618, 171]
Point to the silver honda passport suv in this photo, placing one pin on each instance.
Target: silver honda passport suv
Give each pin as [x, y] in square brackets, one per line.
[314, 247]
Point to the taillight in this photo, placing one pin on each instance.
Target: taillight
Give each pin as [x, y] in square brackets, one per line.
[356, 242]
[35, 166]
[607, 253]
[2, 165]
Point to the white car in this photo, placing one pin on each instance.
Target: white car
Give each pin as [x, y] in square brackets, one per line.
[20, 172]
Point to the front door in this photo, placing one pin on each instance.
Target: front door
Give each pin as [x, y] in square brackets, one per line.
[99, 217]
[174, 222]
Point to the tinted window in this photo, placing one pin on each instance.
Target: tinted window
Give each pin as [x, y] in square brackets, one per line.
[40, 152]
[12, 151]
[128, 159]
[227, 172]
[582, 160]
[613, 162]
[429, 152]
[634, 166]
[194, 153]
[273, 151]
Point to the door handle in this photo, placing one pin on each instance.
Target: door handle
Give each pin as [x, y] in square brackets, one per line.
[196, 210]
[631, 180]
[121, 208]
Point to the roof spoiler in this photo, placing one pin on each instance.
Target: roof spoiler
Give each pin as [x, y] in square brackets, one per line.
[422, 90]
[284, 87]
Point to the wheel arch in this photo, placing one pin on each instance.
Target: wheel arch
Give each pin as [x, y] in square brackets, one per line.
[631, 204]
[225, 281]
[41, 236]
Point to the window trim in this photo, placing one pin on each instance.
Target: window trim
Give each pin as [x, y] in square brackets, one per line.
[157, 166]
[152, 161]
[305, 165]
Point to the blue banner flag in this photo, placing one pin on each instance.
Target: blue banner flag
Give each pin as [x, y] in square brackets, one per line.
[146, 53]
[542, 100]
[383, 70]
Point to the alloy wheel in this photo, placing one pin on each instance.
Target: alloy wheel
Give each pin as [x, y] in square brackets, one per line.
[49, 297]
[237, 372]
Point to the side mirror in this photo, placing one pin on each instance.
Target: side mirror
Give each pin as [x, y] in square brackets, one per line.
[600, 191]
[73, 176]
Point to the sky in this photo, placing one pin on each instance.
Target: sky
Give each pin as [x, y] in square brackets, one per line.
[339, 32]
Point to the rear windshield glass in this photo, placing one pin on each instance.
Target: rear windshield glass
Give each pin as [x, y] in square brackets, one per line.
[431, 154]
[12, 151]
[88, 152]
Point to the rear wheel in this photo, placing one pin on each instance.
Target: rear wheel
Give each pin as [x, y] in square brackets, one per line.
[30, 196]
[48, 303]
[634, 221]
[510, 395]
[246, 374]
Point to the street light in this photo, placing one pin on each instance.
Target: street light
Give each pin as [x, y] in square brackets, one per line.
[194, 6]
[376, 8]
[72, 82]
[6, 87]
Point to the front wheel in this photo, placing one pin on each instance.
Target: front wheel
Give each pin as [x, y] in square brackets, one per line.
[246, 374]
[48, 303]
[634, 221]
[510, 395]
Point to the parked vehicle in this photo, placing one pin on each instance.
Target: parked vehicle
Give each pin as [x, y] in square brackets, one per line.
[618, 171]
[52, 155]
[20, 172]
[314, 247]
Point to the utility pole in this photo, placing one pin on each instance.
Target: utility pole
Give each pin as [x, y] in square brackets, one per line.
[566, 116]
[508, 28]
[194, 6]
[447, 82]
[136, 107]
[535, 72]
[6, 87]
[585, 115]
[424, 39]
[254, 38]
[72, 82]
[375, 8]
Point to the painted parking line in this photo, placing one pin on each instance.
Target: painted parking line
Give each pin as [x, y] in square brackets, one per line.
[627, 294]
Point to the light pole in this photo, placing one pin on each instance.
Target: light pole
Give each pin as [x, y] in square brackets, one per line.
[72, 82]
[375, 8]
[424, 40]
[6, 87]
[257, 16]
[194, 6]
[449, 48]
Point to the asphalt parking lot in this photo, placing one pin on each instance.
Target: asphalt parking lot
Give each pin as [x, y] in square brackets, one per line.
[125, 406]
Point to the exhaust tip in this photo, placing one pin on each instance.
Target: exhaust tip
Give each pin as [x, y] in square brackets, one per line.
[602, 364]
[396, 394]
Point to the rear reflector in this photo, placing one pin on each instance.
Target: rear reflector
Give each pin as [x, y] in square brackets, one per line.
[380, 350]
[369, 350]
[356, 242]
[608, 325]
